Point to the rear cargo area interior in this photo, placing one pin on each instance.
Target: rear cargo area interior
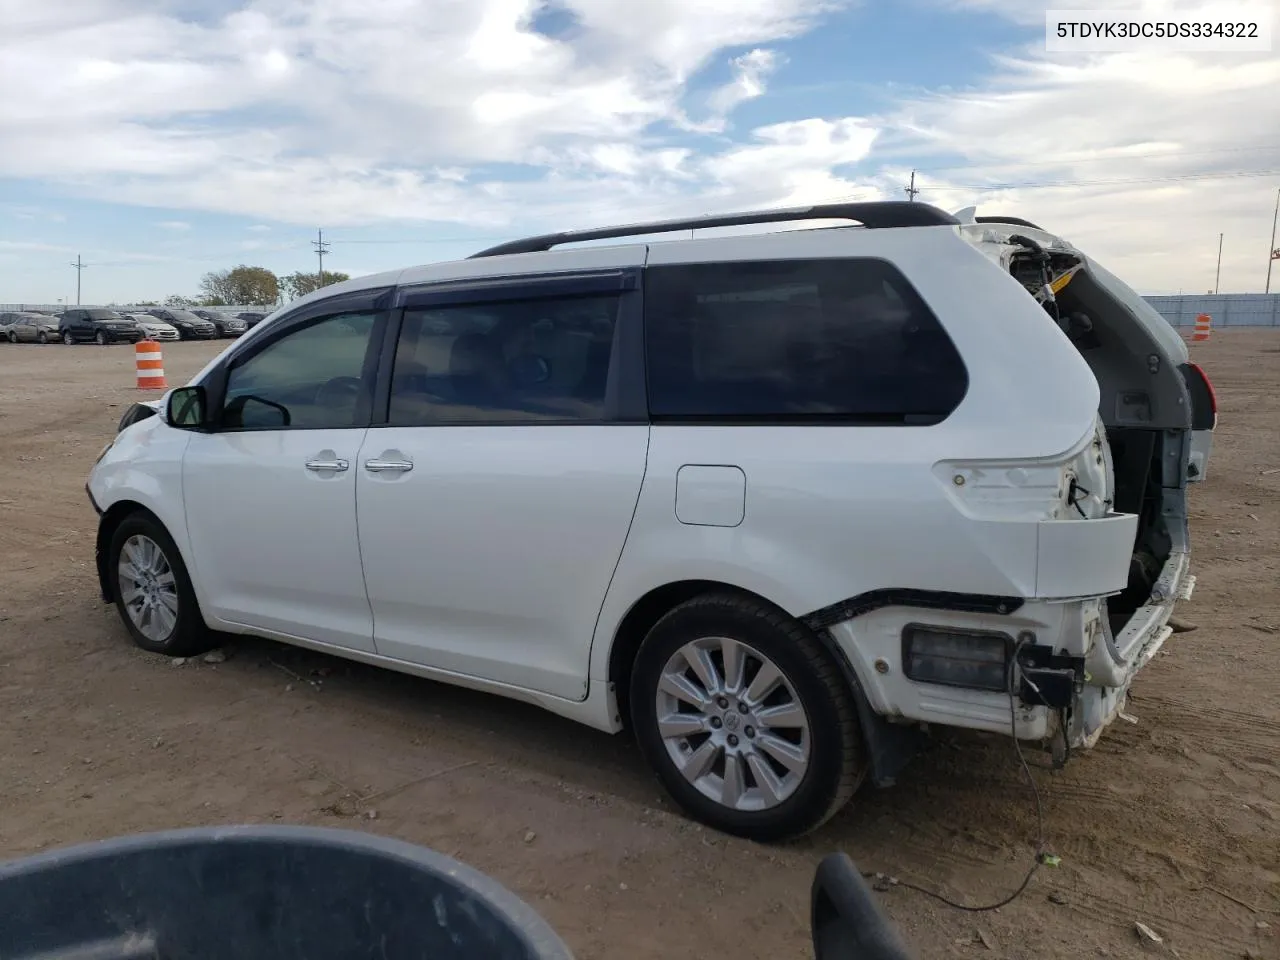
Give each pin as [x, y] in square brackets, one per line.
[1142, 401]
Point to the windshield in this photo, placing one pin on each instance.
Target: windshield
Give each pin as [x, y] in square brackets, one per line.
[183, 315]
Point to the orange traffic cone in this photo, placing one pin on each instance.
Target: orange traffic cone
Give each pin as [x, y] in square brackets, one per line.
[150, 366]
[1203, 324]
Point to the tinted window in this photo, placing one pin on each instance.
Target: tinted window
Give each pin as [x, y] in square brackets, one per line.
[839, 340]
[541, 360]
[102, 315]
[310, 378]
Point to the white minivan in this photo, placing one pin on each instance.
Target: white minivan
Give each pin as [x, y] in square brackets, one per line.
[777, 503]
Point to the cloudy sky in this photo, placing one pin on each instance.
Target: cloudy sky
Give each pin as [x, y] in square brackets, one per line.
[160, 139]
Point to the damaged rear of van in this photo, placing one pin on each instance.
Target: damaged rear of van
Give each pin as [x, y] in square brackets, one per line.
[1156, 416]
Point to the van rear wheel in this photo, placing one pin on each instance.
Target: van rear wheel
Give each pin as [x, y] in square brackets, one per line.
[745, 718]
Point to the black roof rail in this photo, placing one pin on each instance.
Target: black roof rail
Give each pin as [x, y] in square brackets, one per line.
[874, 215]
[1016, 221]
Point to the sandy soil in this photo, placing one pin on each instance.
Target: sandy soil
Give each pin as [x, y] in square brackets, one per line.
[1174, 821]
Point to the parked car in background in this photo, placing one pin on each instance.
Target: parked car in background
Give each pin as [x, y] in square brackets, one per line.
[98, 325]
[152, 328]
[251, 319]
[28, 327]
[189, 326]
[226, 324]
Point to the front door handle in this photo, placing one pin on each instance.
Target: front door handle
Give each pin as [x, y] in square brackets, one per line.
[388, 466]
[321, 466]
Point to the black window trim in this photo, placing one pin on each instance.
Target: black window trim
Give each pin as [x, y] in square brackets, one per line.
[915, 421]
[626, 401]
[376, 300]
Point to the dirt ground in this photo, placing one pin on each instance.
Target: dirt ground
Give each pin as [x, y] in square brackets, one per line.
[1173, 821]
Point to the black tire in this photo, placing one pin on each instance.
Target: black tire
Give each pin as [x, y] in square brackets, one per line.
[101, 338]
[68, 338]
[189, 635]
[837, 764]
[42, 337]
[13, 337]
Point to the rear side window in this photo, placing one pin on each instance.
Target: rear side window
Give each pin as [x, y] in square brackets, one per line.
[544, 360]
[844, 341]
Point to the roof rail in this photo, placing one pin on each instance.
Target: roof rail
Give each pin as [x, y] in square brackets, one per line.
[878, 214]
[1017, 222]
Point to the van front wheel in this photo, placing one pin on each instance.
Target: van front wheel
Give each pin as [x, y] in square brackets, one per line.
[153, 592]
[745, 718]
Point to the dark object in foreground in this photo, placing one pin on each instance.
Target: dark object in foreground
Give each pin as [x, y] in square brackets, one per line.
[253, 893]
[302, 893]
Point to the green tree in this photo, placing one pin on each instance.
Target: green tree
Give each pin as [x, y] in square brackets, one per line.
[242, 284]
[300, 284]
[177, 300]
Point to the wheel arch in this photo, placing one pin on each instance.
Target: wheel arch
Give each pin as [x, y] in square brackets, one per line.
[109, 522]
[889, 747]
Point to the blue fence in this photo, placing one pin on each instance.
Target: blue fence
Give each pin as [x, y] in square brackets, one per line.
[1226, 309]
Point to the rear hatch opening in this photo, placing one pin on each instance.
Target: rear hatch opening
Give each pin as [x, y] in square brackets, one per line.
[1153, 402]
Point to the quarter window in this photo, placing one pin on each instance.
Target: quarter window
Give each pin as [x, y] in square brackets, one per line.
[531, 361]
[311, 378]
[845, 341]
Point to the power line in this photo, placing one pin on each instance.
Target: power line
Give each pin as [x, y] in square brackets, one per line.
[1125, 158]
[1051, 184]
[911, 188]
[1180, 178]
[428, 240]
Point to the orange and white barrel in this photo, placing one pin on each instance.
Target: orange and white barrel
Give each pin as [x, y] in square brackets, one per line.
[1204, 323]
[150, 366]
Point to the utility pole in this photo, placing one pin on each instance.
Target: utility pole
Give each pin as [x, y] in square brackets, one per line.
[79, 266]
[322, 247]
[1218, 273]
[911, 188]
[1273, 254]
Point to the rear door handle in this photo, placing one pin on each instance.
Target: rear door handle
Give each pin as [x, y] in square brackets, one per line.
[320, 466]
[388, 466]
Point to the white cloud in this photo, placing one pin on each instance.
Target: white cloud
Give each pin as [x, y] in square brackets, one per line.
[175, 226]
[343, 112]
[389, 109]
[749, 73]
[1130, 136]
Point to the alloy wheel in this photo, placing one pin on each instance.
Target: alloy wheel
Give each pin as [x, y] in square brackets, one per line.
[148, 588]
[732, 724]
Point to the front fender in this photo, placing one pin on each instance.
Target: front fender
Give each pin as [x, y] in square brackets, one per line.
[142, 468]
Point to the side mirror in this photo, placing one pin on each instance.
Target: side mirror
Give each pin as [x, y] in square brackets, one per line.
[187, 408]
[848, 923]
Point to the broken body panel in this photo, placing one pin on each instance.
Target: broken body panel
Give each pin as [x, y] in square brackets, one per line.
[1156, 414]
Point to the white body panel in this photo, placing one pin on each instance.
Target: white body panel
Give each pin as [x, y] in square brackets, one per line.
[491, 556]
[273, 543]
